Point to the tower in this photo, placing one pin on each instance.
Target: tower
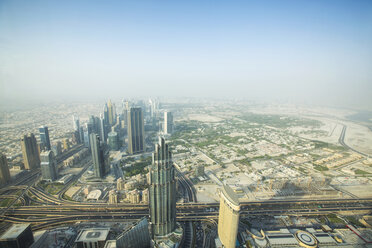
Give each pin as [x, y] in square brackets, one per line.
[4, 170]
[162, 191]
[228, 217]
[99, 156]
[136, 131]
[44, 138]
[30, 152]
[111, 112]
[48, 166]
[168, 122]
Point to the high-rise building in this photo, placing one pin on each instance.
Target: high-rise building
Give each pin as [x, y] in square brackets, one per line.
[228, 218]
[4, 170]
[113, 141]
[99, 156]
[17, 236]
[48, 166]
[76, 123]
[135, 236]
[136, 131]
[168, 122]
[44, 138]
[111, 113]
[102, 129]
[30, 152]
[162, 191]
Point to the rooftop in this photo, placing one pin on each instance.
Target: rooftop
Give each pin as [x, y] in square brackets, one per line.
[230, 194]
[93, 234]
[14, 231]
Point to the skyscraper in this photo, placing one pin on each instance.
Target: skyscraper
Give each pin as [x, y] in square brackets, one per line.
[102, 129]
[228, 218]
[44, 138]
[48, 166]
[99, 156]
[75, 123]
[136, 131]
[30, 152]
[113, 141]
[162, 191]
[111, 112]
[168, 122]
[4, 170]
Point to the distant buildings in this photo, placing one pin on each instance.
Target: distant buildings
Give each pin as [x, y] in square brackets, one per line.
[48, 166]
[135, 236]
[136, 131]
[168, 123]
[18, 236]
[228, 218]
[44, 138]
[30, 152]
[162, 191]
[99, 156]
[4, 170]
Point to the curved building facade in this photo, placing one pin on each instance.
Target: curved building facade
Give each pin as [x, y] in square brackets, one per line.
[162, 191]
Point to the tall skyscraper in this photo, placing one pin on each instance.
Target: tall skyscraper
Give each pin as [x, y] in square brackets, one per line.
[99, 156]
[162, 190]
[106, 114]
[4, 170]
[168, 122]
[228, 218]
[30, 152]
[76, 123]
[48, 166]
[102, 129]
[136, 131]
[111, 113]
[44, 138]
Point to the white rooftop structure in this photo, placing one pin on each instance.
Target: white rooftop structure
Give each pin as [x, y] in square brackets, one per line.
[93, 235]
[94, 194]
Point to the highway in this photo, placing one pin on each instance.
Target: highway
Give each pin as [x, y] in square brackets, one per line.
[341, 140]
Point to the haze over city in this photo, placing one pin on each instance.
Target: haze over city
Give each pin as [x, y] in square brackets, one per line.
[185, 124]
[313, 52]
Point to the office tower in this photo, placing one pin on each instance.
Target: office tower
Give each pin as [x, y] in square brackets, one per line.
[136, 131]
[66, 144]
[125, 111]
[106, 114]
[81, 135]
[99, 156]
[30, 152]
[162, 191]
[18, 236]
[228, 218]
[102, 129]
[113, 141]
[76, 123]
[48, 166]
[87, 132]
[44, 138]
[168, 122]
[4, 170]
[135, 236]
[111, 113]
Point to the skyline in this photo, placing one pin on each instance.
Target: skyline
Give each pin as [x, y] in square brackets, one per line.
[304, 52]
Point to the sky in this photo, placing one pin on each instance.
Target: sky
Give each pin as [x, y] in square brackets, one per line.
[313, 52]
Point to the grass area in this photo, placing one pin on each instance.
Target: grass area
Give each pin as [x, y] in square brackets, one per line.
[361, 172]
[320, 168]
[5, 202]
[334, 219]
[51, 188]
[138, 167]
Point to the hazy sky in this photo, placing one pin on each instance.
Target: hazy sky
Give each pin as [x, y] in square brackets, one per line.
[300, 50]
